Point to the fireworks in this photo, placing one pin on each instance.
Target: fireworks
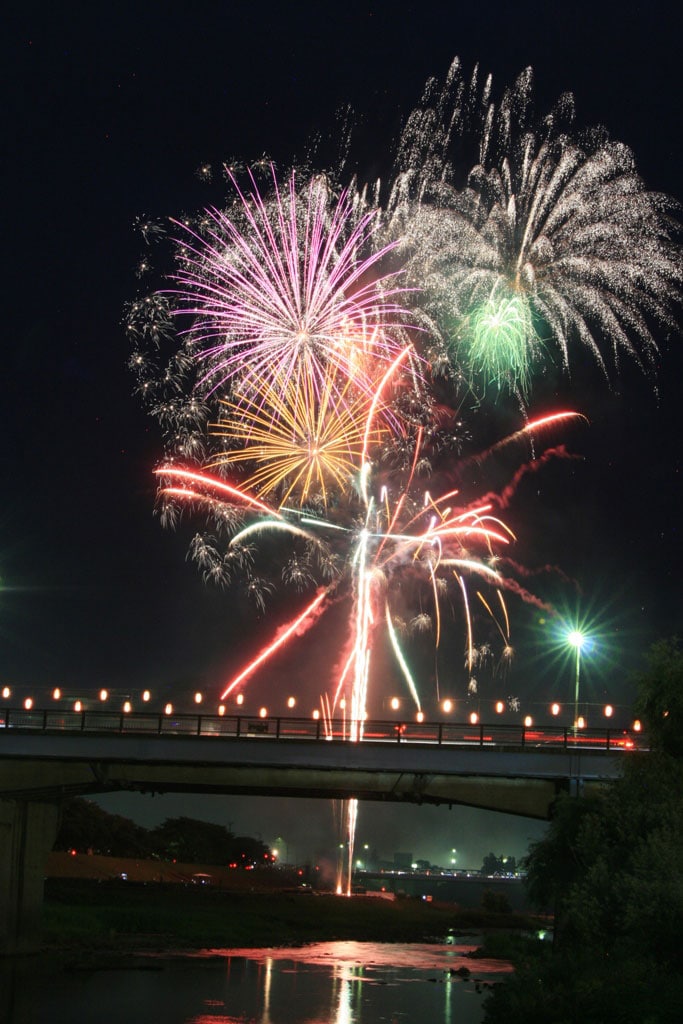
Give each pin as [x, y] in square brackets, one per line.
[277, 291]
[542, 240]
[314, 348]
[322, 346]
[305, 441]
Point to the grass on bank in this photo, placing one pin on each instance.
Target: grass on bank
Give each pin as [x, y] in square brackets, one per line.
[121, 915]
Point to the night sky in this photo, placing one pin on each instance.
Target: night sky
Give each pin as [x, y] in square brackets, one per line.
[108, 111]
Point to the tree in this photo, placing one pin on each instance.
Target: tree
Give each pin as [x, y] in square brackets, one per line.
[493, 865]
[85, 826]
[660, 697]
[202, 842]
[610, 868]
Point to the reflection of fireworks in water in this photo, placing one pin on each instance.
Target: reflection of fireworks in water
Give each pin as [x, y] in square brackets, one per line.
[299, 380]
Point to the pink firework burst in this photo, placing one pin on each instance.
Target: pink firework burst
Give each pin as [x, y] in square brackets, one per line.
[288, 285]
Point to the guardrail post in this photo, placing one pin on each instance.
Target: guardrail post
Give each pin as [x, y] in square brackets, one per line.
[199, 725]
[440, 734]
[277, 728]
[82, 720]
[44, 720]
[607, 744]
[239, 723]
[523, 735]
[481, 734]
[317, 728]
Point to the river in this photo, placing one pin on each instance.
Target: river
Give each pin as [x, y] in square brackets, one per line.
[321, 983]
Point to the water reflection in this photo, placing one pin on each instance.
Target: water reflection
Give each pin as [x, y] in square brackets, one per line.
[323, 983]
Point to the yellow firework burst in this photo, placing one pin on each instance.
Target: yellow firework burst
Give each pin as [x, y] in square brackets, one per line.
[303, 439]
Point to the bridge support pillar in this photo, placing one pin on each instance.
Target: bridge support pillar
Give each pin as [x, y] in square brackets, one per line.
[27, 833]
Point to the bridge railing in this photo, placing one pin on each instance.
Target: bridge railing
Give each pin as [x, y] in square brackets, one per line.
[54, 721]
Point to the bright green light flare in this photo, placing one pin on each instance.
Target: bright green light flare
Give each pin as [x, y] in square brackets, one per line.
[500, 341]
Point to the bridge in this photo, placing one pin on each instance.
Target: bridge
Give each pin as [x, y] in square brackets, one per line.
[48, 755]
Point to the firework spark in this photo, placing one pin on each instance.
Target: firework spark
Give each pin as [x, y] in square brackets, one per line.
[276, 290]
[541, 240]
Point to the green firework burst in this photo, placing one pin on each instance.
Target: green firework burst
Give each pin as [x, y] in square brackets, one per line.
[499, 342]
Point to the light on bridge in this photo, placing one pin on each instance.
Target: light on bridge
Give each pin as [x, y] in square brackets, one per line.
[146, 695]
[168, 710]
[291, 702]
[474, 718]
[500, 707]
[127, 707]
[580, 722]
[221, 709]
[528, 722]
[342, 703]
[56, 693]
[263, 712]
[447, 706]
[104, 694]
[395, 703]
[239, 699]
[28, 703]
[6, 692]
[637, 726]
[420, 716]
[198, 698]
[316, 715]
[555, 709]
[78, 706]
[609, 710]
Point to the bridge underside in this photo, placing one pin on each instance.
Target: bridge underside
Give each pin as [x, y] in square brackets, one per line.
[37, 772]
[527, 797]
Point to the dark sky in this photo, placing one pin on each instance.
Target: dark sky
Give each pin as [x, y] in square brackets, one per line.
[108, 111]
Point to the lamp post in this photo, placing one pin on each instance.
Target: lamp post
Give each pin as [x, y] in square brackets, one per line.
[577, 640]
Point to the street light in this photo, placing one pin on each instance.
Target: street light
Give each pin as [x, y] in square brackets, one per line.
[577, 640]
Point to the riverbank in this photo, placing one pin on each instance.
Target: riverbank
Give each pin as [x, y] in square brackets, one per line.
[119, 915]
